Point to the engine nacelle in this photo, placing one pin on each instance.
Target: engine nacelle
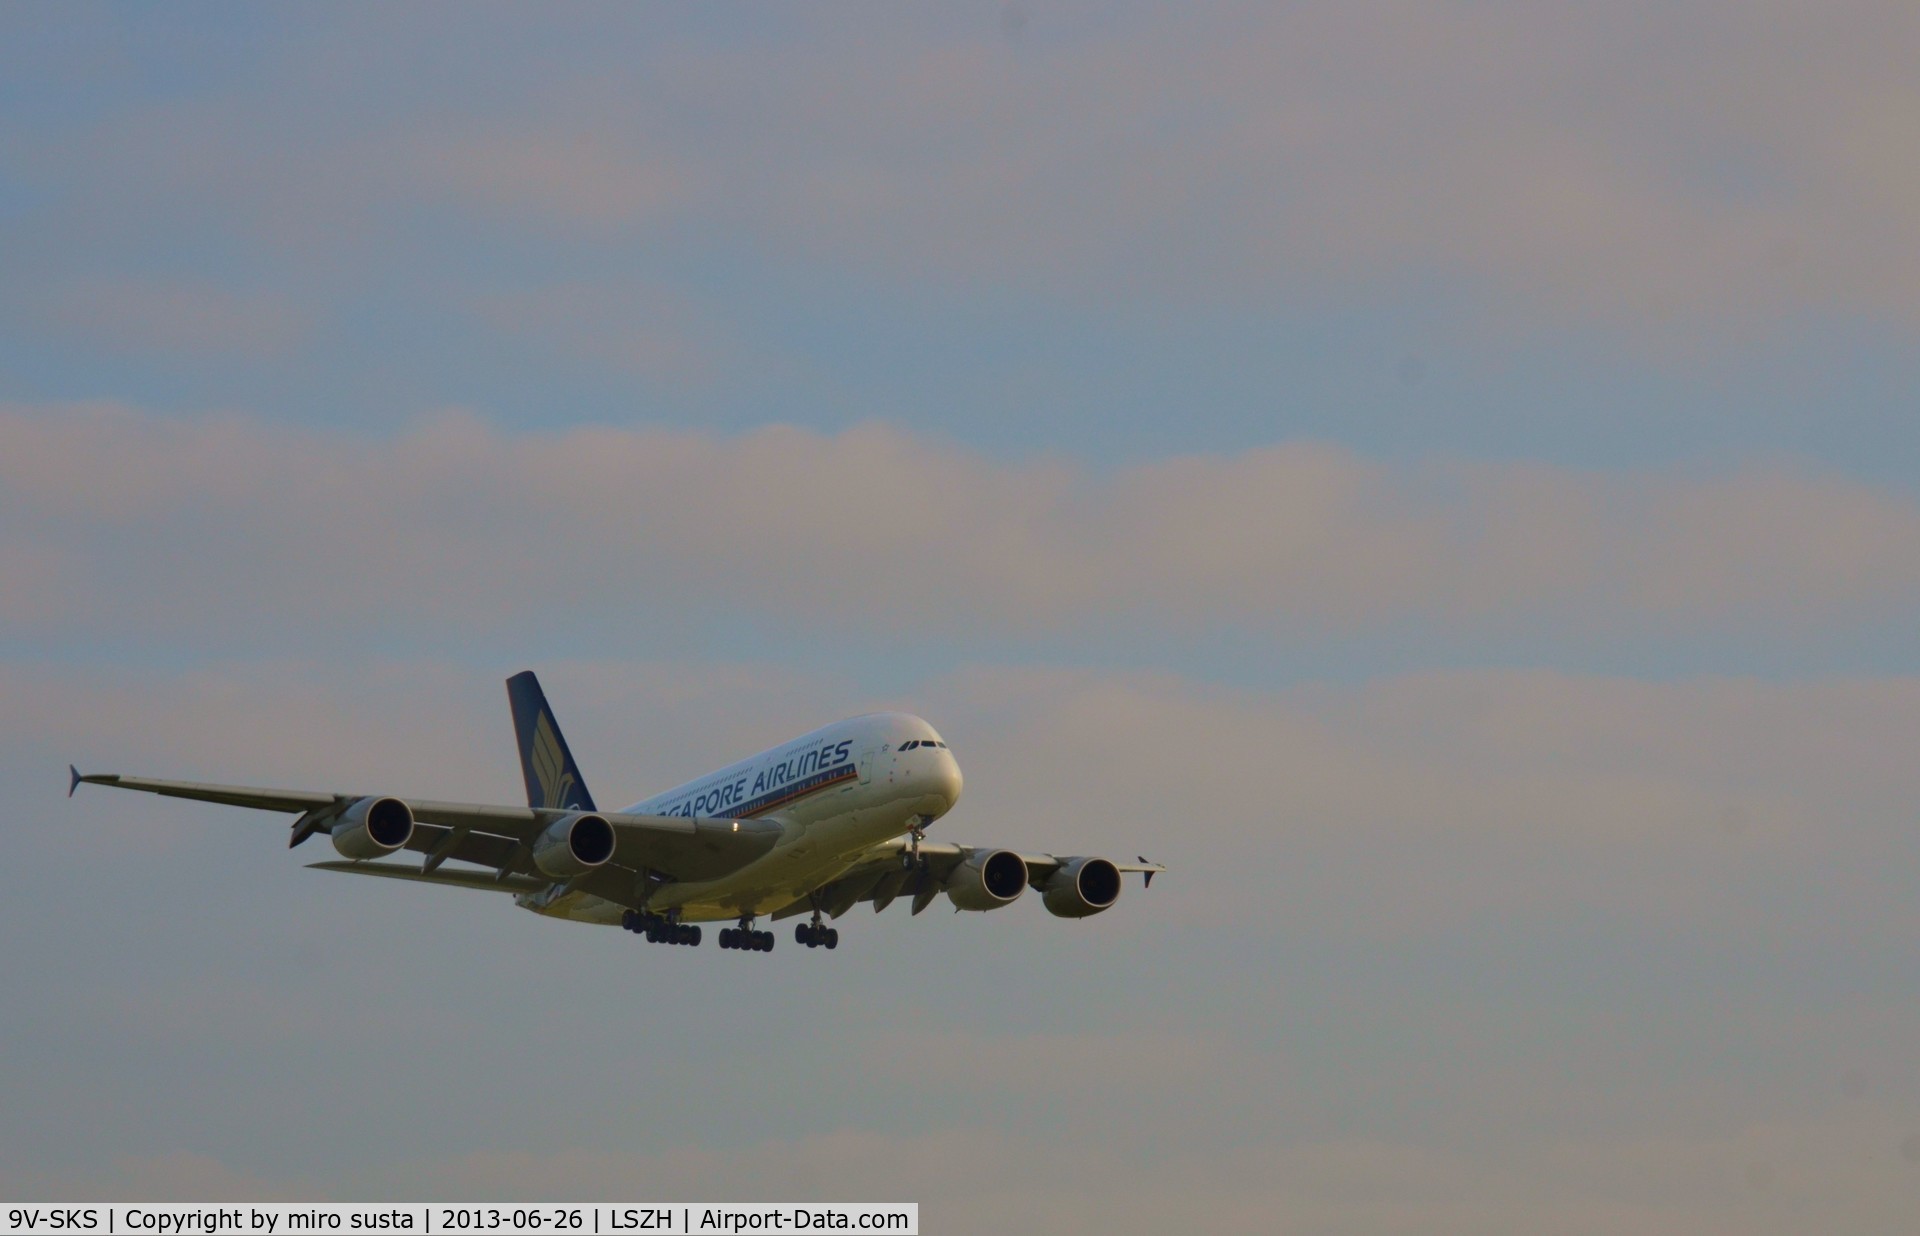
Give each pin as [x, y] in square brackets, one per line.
[1081, 887]
[373, 828]
[573, 845]
[987, 880]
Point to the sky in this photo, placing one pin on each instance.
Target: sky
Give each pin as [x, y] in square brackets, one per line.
[1444, 478]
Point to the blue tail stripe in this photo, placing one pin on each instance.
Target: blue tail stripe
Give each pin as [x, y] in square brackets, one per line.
[553, 779]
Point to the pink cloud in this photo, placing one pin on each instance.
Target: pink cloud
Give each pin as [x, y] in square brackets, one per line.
[1839, 1171]
[1380, 811]
[186, 317]
[143, 522]
[1714, 168]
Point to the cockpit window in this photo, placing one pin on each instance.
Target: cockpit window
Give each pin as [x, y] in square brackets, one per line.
[908, 746]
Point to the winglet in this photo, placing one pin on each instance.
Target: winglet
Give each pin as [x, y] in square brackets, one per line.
[1146, 880]
[75, 783]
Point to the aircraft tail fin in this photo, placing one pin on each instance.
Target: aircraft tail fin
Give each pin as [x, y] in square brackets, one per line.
[553, 779]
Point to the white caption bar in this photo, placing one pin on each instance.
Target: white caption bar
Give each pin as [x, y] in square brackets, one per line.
[453, 1219]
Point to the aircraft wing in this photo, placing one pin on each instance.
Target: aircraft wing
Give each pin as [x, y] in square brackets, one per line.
[885, 872]
[231, 795]
[943, 857]
[501, 837]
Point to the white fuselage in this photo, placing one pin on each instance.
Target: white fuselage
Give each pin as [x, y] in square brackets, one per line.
[836, 791]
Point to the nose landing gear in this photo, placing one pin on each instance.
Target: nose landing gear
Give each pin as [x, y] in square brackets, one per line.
[917, 832]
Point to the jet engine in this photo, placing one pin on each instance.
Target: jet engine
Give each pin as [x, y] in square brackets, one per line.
[373, 828]
[573, 845]
[1081, 887]
[987, 880]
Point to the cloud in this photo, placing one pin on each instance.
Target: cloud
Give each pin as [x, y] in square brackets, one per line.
[1612, 164]
[1672, 173]
[1443, 801]
[148, 527]
[592, 180]
[428, 729]
[1845, 1169]
[1438, 800]
[180, 1176]
[641, 331]
[186, 317]
[1840, 1173]
[1445, 952]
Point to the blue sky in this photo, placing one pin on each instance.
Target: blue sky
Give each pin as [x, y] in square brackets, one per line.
[1443, 477]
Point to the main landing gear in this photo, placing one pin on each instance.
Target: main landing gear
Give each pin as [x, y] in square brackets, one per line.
[817, 937]
[814, 935]
[660, 930]
[745, 938]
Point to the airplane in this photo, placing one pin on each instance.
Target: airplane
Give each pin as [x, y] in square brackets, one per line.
[813, 826]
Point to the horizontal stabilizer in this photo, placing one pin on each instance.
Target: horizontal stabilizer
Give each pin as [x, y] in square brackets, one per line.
[440, 875]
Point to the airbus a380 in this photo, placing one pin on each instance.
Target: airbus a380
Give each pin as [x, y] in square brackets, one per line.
[813, 826]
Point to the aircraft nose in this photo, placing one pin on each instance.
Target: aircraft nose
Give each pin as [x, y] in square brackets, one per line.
[947, 779]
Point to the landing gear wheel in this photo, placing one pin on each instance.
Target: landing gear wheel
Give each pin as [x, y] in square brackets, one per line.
[660, 930]
[813, 935]
[745, 937]
[816, 934]
[629, 921]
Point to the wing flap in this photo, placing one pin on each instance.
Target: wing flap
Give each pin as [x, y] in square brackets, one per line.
[481, 880]
[484, 849]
